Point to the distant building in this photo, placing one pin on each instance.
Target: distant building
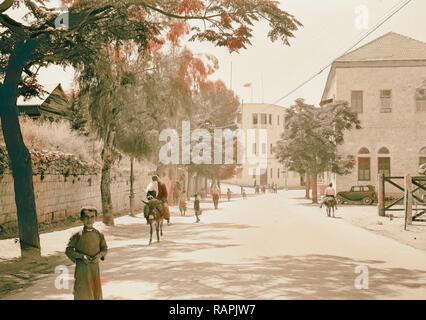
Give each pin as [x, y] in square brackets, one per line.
[271, 118]
[52, 106]
[385, 83]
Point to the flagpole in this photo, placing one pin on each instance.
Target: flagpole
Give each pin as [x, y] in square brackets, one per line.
[231, 76]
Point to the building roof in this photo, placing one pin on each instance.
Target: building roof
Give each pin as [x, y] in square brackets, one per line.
[390, 48]
[54, 101]
[32, 111]
[263, 107]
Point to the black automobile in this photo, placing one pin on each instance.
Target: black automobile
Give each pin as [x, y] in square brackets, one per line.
[365, 195]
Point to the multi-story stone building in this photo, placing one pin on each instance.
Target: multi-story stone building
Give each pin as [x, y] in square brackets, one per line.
[385, 83]
[271, 118]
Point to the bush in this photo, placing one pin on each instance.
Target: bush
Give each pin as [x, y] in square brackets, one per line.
[58, 136]
[4, 160]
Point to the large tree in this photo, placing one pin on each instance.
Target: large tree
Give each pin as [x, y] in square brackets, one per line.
[311, 138]
[217, 108]
[37, 42]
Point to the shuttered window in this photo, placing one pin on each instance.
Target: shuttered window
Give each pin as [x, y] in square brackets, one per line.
[364, 169]
[421, 100]
[357, 101]
[386, 101]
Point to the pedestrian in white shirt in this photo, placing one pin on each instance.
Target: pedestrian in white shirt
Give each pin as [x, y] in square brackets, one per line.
[152, 189]
[330, 192]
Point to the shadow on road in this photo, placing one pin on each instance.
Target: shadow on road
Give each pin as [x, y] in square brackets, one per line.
[139, 271]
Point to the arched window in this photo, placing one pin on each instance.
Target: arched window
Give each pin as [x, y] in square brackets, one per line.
[422, 158]
[364, 151]
[384, 162]
[421, 99]
[364, 165]
[384, 150]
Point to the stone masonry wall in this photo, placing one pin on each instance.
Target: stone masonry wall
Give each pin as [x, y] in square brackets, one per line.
[60, 199]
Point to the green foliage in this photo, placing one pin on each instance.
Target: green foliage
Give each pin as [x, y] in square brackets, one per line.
[4, 161]
[94, 24]
[49, 162]
[309, 144]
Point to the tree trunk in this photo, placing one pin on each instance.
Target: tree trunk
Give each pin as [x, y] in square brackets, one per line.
[307, 186]
[314, 180]
[189, 186]
[107, 159]
[132, 191]
[19, 155]
[197, 179]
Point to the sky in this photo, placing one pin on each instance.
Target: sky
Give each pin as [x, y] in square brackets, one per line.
[330, 27]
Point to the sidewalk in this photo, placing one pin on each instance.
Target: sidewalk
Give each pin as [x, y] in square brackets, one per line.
[16, 274]
[367, 217]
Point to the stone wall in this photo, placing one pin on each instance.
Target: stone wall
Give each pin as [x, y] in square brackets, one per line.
[60, 199]
[401, 131]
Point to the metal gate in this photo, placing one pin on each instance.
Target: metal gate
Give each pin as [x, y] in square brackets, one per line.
[418, 192]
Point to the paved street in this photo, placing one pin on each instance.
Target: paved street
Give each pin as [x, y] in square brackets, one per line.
[274, 246]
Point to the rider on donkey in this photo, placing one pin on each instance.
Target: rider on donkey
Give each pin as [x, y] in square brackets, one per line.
[152, 189]
[157, 195]
[330, 194]
[151, 195]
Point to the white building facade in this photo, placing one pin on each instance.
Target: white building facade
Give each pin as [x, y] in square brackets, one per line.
[385, 83]
[270, 118]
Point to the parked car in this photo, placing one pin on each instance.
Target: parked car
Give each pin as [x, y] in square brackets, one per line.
[365, 195]
[422, 169]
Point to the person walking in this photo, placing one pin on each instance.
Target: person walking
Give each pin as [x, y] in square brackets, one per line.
[182, 203]
[215, 192]
[162, 196]
[229, 193]
[197, 207]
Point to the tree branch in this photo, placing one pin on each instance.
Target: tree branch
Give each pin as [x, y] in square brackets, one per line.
[5, 5]
[173, 15]
[13, 25]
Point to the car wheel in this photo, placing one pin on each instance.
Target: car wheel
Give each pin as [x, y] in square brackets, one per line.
[367, 201]
[339, 200]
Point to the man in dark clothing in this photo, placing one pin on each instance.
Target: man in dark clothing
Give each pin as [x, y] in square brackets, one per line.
[162, 196]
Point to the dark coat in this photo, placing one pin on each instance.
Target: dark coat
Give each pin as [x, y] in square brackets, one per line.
[162, 191]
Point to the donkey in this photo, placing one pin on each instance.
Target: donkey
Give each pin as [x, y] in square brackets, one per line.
[154, 214]
[330, 204]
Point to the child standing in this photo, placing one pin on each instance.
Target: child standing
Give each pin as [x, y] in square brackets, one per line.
[182, 203]
[228, 193]
[86, 248]
[197, 208]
